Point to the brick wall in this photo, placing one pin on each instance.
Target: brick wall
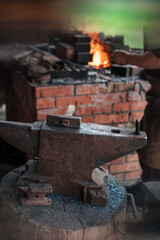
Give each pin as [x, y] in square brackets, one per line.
[114, 103]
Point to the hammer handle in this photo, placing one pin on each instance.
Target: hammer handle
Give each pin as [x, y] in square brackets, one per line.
[71, 110]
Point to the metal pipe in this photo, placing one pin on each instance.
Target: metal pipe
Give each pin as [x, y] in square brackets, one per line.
[133, 206]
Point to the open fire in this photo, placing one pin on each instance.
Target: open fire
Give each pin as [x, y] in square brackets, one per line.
[101, 58]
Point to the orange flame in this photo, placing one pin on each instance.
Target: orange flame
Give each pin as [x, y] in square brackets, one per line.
[101, 58]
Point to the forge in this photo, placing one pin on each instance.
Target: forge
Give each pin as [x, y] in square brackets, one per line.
[69, 165]
[65, 191]
[66, 194]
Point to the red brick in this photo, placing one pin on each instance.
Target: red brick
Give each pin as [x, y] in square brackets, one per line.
[75, 100]
[65, 101]
[110, 98]
[99, 99]
[102, 108]
[44, 78]
[54, 91]
[88, 119]
[120, 177]
[94, 109]
[86, 89]
[143, 96]
[116, 97]
[41, 116]
[121, 107]
[133, 96]
[102, 88]
[133, 175]
[106, 166]
[140, 105]
[137, 87]
[65, 51]
[45, 103]
[83, 100]
[84, 110]
[119, 160]
[145, 85]
[42, 113]
[132, 157]
[116, 161]
[120, 86]
[124, 167]
[136, 115]
[112, 118]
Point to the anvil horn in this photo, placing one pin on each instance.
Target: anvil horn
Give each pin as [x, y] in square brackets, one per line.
[23, 136]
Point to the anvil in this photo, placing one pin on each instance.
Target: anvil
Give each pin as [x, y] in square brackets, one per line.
[67, 156]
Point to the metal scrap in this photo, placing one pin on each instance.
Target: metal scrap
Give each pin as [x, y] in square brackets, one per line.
[41, 63]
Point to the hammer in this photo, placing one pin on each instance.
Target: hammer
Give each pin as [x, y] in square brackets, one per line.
[67, 120]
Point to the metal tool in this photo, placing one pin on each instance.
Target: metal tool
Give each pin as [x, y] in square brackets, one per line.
[66, 120]
[137, 127]
[68, 154]
[36, 194]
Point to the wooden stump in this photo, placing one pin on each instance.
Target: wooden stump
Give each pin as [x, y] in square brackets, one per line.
[67, 218]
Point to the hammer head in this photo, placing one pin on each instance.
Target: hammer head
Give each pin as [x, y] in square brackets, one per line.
[64, 121]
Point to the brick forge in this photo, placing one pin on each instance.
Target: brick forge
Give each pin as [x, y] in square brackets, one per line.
[113, 103]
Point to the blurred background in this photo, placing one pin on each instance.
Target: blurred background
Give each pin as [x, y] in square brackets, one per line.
[28, 20]
[118, 17]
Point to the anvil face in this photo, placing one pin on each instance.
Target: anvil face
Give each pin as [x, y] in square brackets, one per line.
[69, 155]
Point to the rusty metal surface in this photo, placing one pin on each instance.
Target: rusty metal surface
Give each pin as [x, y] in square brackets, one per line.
[64, 121]
[83, 149]
[36, 194]
[24, 136]
[67, 156]
[96, 195]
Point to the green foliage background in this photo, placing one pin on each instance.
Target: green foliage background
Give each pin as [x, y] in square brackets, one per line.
[113, 17]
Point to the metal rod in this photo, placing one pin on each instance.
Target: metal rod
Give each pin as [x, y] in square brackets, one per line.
[35, 48]
[74, 64]
[133, 206]
[137, 127]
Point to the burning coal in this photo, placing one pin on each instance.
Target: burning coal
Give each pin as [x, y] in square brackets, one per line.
[101, 58]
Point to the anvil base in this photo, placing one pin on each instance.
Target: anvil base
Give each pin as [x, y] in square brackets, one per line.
[89, 192]
[67, 217]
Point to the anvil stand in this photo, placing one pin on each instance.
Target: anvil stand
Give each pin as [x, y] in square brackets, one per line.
[67, 217]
